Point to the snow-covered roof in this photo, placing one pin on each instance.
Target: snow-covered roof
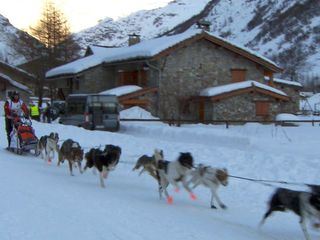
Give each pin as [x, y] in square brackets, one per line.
[15, 83]
[214, 91]
[17, 69]
[154, 46]
[100, 49]
[142, 50]
[123, 90]
[82, 64]
[287, 82]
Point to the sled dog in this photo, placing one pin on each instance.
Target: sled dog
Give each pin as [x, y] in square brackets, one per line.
[305, 204]
[71, 151]
[173, 173]
[212, 178]
[105, 161]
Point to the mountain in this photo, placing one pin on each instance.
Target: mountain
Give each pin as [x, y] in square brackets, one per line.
[148, 24]
[13, 48]
[287, 31]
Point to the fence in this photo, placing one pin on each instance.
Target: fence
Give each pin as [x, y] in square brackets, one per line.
[178, 122]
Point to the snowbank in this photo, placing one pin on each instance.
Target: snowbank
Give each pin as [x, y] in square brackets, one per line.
[287, 117]
[136, 113]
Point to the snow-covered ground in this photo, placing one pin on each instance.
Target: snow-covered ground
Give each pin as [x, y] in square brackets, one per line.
[40, 201]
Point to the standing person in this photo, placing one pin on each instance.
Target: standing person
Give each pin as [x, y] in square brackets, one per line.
[13, 107]
[48, 113]
[34, 112]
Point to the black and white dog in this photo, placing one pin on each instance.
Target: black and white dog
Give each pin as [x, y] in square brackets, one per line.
[105, 161]
[305, 204]
[173, 173]
[49, 145]
[212, 178]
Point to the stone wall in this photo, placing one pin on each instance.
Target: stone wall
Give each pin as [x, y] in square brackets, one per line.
[98, 79]
[294, 93]
[190, 69]
[243, 107]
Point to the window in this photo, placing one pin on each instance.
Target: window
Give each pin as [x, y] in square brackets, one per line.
[238, 75]
[262, 108]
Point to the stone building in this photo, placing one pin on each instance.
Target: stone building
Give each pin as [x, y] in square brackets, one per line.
[15, 79]
[176, 71]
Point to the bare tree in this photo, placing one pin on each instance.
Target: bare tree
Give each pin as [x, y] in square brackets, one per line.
[58, 45]
[52, 30]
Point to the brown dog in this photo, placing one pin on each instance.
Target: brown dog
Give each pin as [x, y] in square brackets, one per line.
[71, 151]
[149, 164]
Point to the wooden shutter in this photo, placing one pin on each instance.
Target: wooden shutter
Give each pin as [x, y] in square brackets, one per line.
[143, 78]
[130, 78]
[238, 75]
[201, 111]
[262, 108]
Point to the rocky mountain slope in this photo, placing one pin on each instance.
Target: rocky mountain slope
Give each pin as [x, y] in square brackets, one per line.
[287, 31]
[13, 48]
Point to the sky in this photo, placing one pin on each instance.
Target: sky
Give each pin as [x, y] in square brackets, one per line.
[81, 14]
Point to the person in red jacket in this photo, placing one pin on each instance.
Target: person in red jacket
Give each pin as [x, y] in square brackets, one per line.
[14, 107]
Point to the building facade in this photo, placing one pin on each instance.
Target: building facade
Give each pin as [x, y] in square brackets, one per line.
[180, 67]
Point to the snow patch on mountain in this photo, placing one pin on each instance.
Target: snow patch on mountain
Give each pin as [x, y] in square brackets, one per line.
[7, 52]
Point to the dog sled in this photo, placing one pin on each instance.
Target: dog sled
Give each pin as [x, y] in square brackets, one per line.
[23, 138]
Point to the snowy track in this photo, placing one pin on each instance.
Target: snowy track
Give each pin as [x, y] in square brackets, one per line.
[43, 202]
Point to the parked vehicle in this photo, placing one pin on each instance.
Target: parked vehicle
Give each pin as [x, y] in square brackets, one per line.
[92, 111]
[60, 106]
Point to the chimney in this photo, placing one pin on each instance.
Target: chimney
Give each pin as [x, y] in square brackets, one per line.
[134, 39]
[204, 25]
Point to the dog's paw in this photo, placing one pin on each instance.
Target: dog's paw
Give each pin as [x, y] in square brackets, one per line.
[193, 196]
[169, 200]
[223, 206]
